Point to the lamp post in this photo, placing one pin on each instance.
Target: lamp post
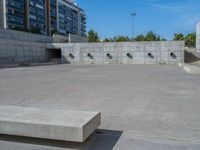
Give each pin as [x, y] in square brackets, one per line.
[133, 25]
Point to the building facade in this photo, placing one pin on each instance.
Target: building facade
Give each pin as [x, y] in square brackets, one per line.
[71, 19]
[44, 16]
[198, 37]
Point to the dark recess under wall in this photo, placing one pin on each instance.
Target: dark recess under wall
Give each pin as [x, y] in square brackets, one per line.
[54, 55]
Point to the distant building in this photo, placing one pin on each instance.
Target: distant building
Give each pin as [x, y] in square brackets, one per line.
[47, 16]
[198, 37]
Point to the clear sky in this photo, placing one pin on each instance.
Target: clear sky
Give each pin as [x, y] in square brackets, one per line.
[165, 17]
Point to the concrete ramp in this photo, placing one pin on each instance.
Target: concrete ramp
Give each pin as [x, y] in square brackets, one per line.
[64, 125]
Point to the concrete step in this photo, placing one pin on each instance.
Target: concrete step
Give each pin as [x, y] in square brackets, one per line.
[64, 125]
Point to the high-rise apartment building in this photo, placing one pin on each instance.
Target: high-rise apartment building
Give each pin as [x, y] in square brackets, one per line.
[47, 16]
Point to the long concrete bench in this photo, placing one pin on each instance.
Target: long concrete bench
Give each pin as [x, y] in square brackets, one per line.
[64, 125]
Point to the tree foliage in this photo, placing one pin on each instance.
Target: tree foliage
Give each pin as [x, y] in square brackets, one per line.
[179, 37]
[190, 40]
[140, 37]
[106, 40]
[93, 36]
[151, 36]
[122, 39]
[117, 39]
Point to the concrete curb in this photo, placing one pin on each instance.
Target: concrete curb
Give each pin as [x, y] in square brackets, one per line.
[189, 68]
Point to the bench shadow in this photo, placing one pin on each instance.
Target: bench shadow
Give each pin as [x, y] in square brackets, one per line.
[100, 139]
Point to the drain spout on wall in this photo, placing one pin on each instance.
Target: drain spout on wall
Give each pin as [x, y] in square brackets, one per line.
[173, 55]
[90, 56]
[109, 55]
[150, 55]
[129, 55]
[71, 55]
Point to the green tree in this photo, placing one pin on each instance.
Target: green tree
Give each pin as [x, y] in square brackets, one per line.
[151, 36]
[117, 39]
[140, 37]
[179, 37]
[190, 40]
[121, 39]
[107, 40]
[93, 36]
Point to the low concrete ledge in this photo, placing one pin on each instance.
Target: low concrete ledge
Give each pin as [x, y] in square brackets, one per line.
[180, 65]
[189, 68]
[64, 125]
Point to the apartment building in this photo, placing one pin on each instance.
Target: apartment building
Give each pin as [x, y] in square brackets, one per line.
[47, 16]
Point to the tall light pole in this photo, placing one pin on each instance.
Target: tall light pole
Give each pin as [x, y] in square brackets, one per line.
[133, 25]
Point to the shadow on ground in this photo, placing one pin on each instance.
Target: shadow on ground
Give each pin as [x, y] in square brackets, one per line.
[100, 139]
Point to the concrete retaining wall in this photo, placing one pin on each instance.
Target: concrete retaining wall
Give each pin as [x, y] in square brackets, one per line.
[77, 39]
[60, 38]
[198, 37]
[21, 53]
[71, 38]
[24, 53]
[170, 52]
[29, 37]
[24, 36]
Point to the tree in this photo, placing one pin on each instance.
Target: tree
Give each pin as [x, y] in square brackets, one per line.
[106, 40]
[121, 39]
[179, 37]
[151, 36]
[117, 39]
[190, 40]
[140, 37]
[93, 36]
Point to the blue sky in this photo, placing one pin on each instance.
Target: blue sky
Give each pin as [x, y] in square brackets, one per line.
[165, 17]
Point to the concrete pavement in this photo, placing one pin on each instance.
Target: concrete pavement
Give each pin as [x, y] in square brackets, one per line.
[143, 107]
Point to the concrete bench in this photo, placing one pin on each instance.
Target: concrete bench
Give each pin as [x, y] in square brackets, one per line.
[64, 125]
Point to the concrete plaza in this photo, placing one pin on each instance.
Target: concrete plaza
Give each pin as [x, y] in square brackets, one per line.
[144, 107]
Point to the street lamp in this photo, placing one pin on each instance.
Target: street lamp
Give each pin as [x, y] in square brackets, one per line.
[133, 25]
